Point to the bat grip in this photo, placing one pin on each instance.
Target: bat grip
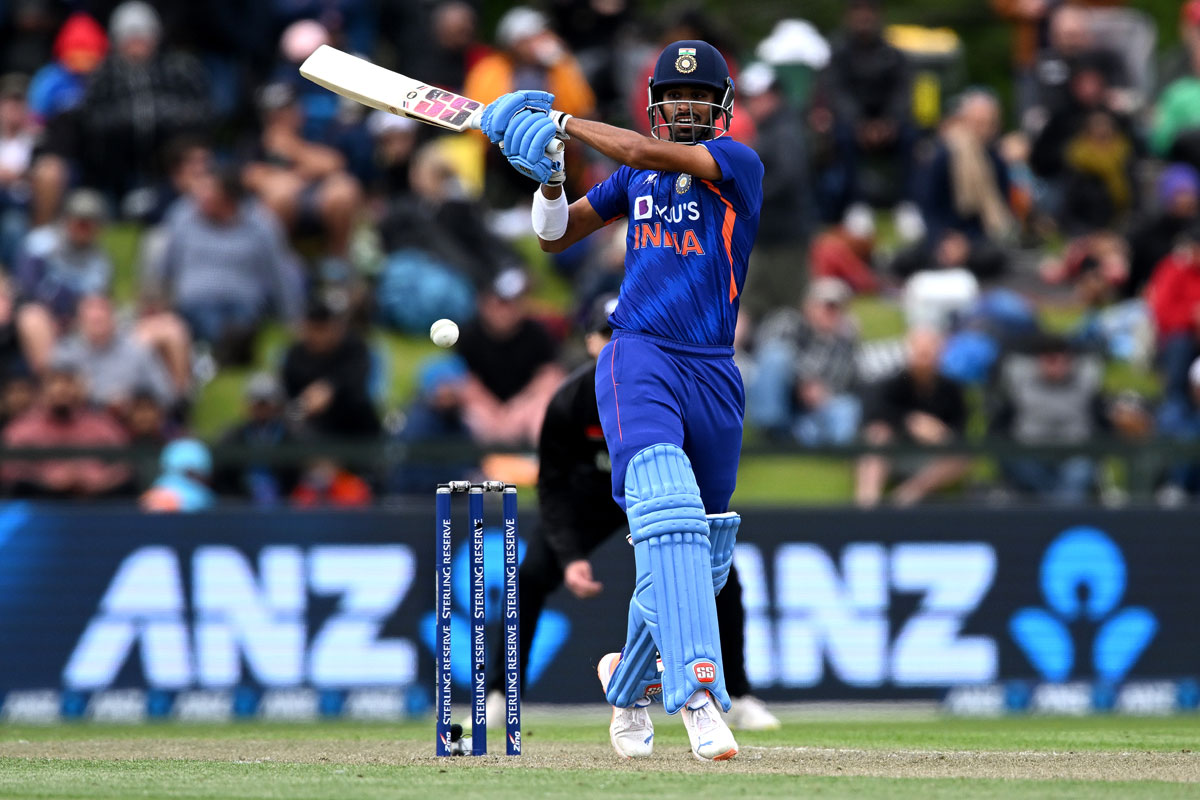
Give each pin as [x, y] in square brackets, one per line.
[553, 149]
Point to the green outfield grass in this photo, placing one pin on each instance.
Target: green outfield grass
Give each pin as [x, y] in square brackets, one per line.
[831, 756]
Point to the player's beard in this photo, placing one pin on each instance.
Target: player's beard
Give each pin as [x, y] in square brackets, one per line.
[692, 130]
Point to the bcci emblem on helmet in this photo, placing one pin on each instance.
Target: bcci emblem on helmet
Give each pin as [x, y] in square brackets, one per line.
[686, 62]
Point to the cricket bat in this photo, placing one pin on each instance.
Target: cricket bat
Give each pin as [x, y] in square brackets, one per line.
[374, 86]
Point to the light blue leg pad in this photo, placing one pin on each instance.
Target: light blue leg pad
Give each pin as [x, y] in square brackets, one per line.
[677, 604]
[722, 536]
[637, 671]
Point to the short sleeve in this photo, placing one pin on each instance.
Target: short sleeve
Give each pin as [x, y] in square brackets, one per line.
[610, 197]
[741, 174]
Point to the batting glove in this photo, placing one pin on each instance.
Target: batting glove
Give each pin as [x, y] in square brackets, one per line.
[497, 116]
[525, 143]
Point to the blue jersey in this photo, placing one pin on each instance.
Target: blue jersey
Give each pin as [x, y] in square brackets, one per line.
[687, 245]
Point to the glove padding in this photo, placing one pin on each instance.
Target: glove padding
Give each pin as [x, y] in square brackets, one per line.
[525, 143]
[498, 114]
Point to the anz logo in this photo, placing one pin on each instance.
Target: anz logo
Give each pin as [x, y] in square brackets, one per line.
[1083, 580]
[553, 628]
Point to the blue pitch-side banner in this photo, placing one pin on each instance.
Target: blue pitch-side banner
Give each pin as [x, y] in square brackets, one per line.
[115, 614]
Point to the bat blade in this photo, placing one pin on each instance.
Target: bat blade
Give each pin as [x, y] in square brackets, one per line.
[374, 86]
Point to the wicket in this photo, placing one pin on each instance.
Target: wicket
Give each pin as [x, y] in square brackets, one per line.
[512, 636]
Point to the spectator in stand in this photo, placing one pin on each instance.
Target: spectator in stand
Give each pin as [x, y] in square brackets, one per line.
[918, 406]
[18, 135]
[1153, 236]
[305, 183]
[1086, 154]
[140, 97]
[845, 251]
[1072, 48]
[776, 275]
[1173, 295]
[964, 186]
[187, 159]
[327, 483]
[805, 373]
[148, 421]
[1179, 421]
[59, 86]
[61, 418]
[112, 362]
[451, 47]
[594, 31]
[182, 485]
[55, 97]
[325, 375]
[938, 297]
[61, 264]
[440, 219]
[1050, 395]
[225, 265]
[530, 56]
[512, 367]
[1029, 35]
[395, 140]
[264, 427]
[1175, 131]
[868, 84]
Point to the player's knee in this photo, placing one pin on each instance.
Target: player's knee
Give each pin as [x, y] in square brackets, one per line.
[661, 495]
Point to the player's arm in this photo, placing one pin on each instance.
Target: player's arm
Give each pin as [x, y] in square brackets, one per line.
[582, 220]
[643, 152]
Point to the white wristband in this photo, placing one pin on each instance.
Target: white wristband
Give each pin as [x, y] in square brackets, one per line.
[549, 216]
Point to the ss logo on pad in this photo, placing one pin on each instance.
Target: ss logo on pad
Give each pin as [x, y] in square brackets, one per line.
[706, 672]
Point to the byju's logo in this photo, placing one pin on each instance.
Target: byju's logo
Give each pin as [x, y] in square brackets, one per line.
[1083, 580]
[553, 626]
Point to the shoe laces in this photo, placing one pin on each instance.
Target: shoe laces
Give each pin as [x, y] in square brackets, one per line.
[631, 719]
[705, 718]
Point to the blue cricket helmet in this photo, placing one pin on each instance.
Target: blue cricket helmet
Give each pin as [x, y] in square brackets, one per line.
[691, 62]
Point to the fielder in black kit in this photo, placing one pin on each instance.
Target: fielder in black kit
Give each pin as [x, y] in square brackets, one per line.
[577, 513]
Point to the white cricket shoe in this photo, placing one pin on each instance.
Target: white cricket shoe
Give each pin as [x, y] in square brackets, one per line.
[710, 737]
[748, 713]
[631, 731]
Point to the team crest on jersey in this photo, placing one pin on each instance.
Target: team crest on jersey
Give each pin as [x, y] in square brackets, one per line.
[682, 184]
[686, 62]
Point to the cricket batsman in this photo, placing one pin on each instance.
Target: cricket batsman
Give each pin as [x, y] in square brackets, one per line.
[576, 514]
[669, 394]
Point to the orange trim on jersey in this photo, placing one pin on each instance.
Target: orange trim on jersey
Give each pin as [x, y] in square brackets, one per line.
[611, 220]
[727, 234]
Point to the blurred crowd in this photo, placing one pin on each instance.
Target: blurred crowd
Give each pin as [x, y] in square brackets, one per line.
[263, 214]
